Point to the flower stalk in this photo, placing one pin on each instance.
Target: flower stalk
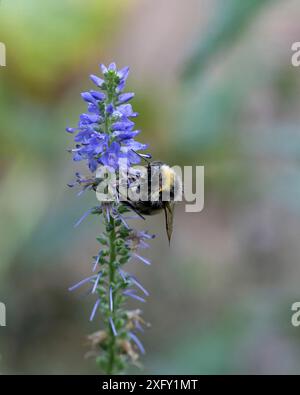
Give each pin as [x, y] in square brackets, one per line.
[112, 263]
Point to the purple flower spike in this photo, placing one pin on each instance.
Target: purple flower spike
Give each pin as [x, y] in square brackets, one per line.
[94, 143]
[96, 305]
[105, 137]
[112, 325]
[137, 342]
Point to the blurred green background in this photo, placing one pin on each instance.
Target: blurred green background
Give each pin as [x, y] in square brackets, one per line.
[215, 87]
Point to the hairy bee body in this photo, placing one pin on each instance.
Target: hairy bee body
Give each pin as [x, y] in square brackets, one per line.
[162, 185]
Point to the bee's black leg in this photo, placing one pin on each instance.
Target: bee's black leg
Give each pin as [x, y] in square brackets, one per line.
[134, 209]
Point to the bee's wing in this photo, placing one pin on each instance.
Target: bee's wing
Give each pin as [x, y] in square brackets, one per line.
[169, 215]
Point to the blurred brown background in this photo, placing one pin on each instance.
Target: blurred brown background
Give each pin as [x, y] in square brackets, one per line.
[215, 87]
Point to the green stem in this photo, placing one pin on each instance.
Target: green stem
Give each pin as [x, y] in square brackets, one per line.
[112, 349]
[112, 259]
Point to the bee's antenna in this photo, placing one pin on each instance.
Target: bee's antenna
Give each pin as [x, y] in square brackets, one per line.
[143, 156]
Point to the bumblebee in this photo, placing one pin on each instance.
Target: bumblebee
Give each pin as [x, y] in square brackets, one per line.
[162, 186]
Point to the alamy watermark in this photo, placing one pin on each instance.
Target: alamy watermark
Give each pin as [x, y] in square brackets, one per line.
[153, 183]
[2, 55]
[295, 320]
[295, 59]
[2, 314]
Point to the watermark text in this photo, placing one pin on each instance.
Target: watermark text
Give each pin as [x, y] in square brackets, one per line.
[2, 55]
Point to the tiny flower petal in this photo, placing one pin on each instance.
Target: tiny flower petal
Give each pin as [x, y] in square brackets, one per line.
[98, 95]
[103, 68]
[121, 86]
[112, 67]
[123, 73]
[87, 97]
[96, 282]
[111, 303]
[138, 326]
[125, 134]
[122, 125]
[112, 325]
[86, 119]
[109, 109]
[137, 342]
[93, 108]
[84, 281]
[97, 80]
[122, 274]
[125, 97]
[96, 305]
[141, 258]
[133, 296]
[86, 214]
[71, 130]
[97, 261]
[126, 110]
[139, 285]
